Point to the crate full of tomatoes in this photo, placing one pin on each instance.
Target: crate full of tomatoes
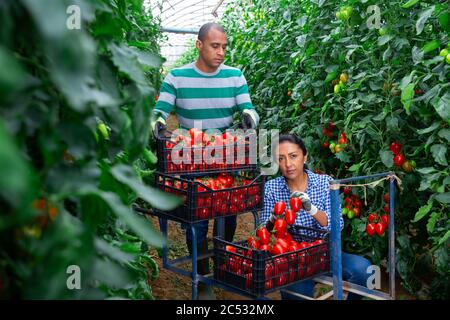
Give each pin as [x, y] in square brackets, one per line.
[259, 268]
[213, 196]
[197, 152]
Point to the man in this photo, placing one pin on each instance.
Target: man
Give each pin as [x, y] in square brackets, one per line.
[209, 92]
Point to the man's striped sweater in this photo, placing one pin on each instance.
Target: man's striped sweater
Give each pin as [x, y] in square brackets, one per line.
[211, 98]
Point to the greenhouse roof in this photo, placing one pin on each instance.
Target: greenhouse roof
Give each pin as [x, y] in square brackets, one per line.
[183, 15]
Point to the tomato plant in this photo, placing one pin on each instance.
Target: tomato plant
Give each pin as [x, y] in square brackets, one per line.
[375, 73]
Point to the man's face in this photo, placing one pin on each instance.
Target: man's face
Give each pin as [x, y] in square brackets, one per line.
[212, 49]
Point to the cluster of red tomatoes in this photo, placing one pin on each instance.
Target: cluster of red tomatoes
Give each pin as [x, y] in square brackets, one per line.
[198, 150]
[219, 195]
[335, 147]
[287, 259]
[400, 159]
[353, 204]
[378, 223]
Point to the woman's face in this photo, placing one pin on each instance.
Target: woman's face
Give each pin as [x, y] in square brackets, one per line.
[291, 160]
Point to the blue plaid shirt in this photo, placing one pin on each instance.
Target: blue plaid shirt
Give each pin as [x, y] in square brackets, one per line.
[318, 191]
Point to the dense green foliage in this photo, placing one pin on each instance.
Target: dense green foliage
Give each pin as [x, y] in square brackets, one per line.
[293, 54]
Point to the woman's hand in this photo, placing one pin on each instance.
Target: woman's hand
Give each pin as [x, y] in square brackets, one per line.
[306, 202]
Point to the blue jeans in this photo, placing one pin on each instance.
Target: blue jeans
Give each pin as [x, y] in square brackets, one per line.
[230, 223]
[354, 270]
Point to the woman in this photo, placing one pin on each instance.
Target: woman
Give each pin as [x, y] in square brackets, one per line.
[313, 189]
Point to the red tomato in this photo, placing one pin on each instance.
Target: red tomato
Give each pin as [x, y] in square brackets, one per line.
[281, 280]
[280, 227]
[385, 220]
[295, 204]
[249, 280]
[283, 243]
[288, 237]
[202, 213]
[370, 229]
[290, 216]
[277, 249]
[379, 228]
[279, 207]
[263, 235]
[230, 248]
[399, 159]
[347, 190]
[371, 217]
[395, 147]
[252, 243]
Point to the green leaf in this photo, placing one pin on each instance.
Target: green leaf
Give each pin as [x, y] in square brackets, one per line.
[423, 19]
[417, 55]
[141, 226]
[407, 96]
[384, 39]
[157, 198]
[444, 238]
[151, 263]
[301, 40]
[434, 217]
[343, 156]
[354, 167]
[427, 170]
[409, 4]
[113, 252]
[110, 273]
[431, 128]
[443, 197]
[431, 46]
[17, 183]
[331, 76]
[150, 157]
[441, 106]
[126, 60]
[439, 152]
[444, 21]
[423, 211]
[65, 179]
[444, 133]
[12, 75]
[148, 59]
[387, 158]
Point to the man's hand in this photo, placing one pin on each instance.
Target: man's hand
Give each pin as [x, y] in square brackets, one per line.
[306, 202]
[250, 119]
[158, 126]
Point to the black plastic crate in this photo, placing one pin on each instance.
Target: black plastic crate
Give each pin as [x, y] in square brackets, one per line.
[258, 272]
[201, 202]
[193, 160]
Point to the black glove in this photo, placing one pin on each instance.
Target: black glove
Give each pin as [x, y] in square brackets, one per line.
[158, 126]
[249, 119]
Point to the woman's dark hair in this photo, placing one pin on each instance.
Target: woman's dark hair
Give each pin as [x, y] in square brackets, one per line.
[292, 138]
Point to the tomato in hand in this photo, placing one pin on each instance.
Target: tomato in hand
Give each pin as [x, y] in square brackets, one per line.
[295, 204]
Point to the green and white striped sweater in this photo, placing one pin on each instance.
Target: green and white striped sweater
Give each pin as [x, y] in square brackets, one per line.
[212, 98]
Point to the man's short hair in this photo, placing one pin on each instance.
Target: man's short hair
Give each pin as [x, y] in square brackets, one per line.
[202, 33]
